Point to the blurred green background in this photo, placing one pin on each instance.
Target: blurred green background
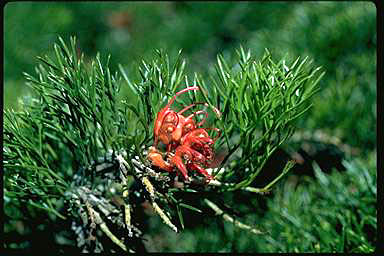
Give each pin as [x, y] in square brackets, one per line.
[341, 37]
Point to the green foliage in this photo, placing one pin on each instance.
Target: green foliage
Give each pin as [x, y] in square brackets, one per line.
[128, 30]
[158, 83]
[337, 214]
[74, 119]
[317, 30]
[341, 37]
[332, 213]
[77, 110]
[258, 101]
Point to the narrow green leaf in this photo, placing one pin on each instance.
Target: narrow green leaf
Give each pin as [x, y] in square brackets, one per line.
[180, 214]
[190, 207]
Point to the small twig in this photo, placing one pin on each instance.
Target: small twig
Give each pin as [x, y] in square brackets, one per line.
[92, 200]
[217, 183]
[106, 230]
[87, 195]
[127, 206]
[93, 224]
[163, 216]
[150, 189]
[96, 218]
[159, 177]
[287, 167]
[123, 165]
[231, 219]
[127, 211]
[156, 175]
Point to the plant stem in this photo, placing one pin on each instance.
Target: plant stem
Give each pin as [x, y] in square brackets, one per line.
[231, 219]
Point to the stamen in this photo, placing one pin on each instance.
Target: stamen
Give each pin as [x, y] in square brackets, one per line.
[198, 113]
[194, 88]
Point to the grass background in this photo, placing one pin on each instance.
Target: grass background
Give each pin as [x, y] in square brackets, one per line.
[324, 213]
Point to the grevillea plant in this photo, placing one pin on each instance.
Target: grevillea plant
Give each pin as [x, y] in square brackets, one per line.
[90, 146]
